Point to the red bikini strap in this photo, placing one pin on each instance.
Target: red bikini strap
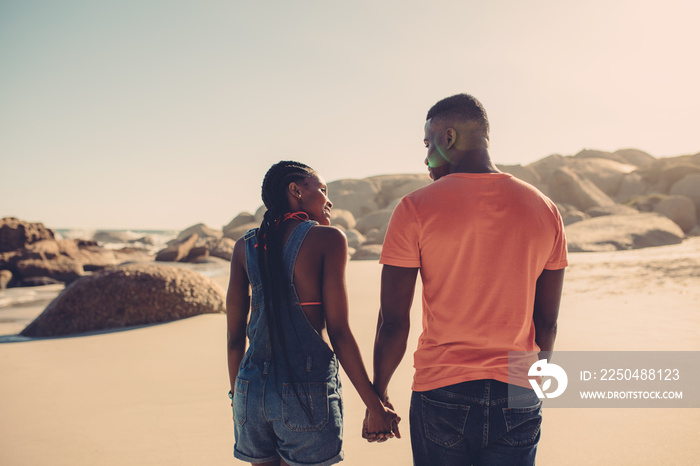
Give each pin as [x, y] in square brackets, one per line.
[300, 215]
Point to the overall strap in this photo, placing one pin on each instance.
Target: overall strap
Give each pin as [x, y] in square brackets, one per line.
[291, 249]
[251, 257]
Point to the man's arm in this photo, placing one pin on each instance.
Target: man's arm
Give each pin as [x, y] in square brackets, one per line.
[397, 287]
[547, 299]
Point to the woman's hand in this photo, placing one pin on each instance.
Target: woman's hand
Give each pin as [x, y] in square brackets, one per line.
[381, 425]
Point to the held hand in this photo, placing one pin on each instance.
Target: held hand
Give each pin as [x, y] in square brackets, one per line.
[381, 425]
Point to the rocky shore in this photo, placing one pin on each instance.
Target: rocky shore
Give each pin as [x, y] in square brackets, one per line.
[609, 201]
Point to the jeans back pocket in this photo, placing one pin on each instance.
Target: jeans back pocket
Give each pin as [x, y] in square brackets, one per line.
[444, 423]
[240, 401]
[523, 425]
[305, 406]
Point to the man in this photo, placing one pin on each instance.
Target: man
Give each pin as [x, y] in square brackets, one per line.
[491, 253]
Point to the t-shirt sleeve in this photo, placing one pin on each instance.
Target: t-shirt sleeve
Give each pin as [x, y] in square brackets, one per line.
[559, 258]
[401, 243]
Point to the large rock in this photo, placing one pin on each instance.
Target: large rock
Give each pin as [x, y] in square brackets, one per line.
[393, 187]
[343, 218]
[632, 185]
[606, 174]
[243, 218]
[63, 269]
[663, 174]
[635, 157]
[63, 260]
[357, 196]
[548, 165]
[680, 209]
[567, 186]
[527, 174]
[377, 220]
[201, 230]
[136, 294]
[617, 232]
[688, 186]
[177, 251]
[236, 233]
[224, 250]
[355, 238]
[16, 234]
[611, 209]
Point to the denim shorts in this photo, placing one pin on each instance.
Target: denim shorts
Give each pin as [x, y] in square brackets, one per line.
[270, 422]
[480, 422]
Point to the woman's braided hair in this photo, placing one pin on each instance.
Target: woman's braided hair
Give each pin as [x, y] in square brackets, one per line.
[269, 251]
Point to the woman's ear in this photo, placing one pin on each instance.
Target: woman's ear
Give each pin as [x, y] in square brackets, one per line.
[294, 190]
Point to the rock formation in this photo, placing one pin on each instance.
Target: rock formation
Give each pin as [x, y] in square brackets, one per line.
[129, 295]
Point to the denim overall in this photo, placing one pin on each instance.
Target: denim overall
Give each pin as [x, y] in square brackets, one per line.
[269, 419]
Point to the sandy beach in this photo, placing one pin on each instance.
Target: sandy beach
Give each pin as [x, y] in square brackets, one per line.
[157, 395]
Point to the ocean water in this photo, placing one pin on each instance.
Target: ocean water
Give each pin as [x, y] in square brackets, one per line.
[150, 240]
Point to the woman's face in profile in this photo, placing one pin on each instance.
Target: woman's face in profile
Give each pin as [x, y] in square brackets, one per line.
[314, 199]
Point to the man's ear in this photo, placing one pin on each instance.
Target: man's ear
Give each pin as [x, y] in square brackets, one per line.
[451, 138]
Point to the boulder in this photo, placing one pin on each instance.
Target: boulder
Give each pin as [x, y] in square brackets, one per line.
[606, 174]
[16, 234]
[62, 268]
[665, 173]
[632, 184]
[176, 252]
[634, 157]
[260, 214]
[201, 230]
[612, 209]
[224, 249]
[527, 174]
[236, 233]
[357, 196]
[129, 295]
[243, 218]
[377, 235]
[680, 209]
[342, 217]
[197, 254]
[368, 252]
[573, 216]
[548, 165]
[567, 186]
[688, 186]
[5, 278]
[393, 187]
[618, 232]
[376, 220]
[355, 238]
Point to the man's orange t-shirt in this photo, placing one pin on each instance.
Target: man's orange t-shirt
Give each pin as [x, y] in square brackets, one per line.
[481, 240]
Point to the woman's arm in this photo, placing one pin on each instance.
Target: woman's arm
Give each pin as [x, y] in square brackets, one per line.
[237, 308]
[335, 304]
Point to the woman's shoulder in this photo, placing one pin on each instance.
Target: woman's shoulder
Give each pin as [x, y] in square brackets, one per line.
[328, 235]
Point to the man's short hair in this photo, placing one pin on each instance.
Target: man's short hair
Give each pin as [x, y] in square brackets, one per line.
[460, 107]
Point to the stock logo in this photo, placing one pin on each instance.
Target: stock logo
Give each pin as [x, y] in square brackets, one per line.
[547, 371]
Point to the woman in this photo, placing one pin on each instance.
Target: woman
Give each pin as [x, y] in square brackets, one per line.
[285, 389]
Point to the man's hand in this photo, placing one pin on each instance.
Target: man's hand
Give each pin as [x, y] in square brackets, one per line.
[380, 430]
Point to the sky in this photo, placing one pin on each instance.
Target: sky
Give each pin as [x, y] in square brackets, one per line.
[159, 114]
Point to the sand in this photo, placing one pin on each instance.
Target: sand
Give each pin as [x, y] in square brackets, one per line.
[157, 395]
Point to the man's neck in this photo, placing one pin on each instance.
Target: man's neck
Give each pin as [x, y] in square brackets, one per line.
[475, 161]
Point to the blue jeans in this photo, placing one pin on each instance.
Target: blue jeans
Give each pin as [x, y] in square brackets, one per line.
[475, 423]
